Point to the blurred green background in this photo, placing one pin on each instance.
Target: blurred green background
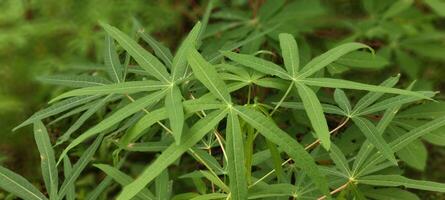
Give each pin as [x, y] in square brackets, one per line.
[40, 37]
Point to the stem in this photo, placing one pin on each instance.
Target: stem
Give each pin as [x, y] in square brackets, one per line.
[282, 99]
[342, 187]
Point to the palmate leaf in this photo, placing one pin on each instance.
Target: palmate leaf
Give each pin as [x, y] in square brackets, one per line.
[389, 194]
[18, 185]
[67, 170]
[116, 88]
[112, 63]
[235, 158]
[208, 76]
[340, 160]
[47, 159]
[175, 111]
[314, 111]
[145, 59]
[289, 49]
[195, 134]
[397, 180]
[76, 81]
[123, 179]
[116, 117]
[274, 134]
[342, 101]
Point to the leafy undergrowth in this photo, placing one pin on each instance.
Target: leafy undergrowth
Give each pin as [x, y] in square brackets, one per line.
[258, 114]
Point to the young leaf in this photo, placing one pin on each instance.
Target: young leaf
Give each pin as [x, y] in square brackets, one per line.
[315, 113]
[373, 135]
[48, 160]
[289, 50]
[285, 142]
[208, 76]
[258, 64]
[18, 185]
[112, 63]
[175, 111]
[145, 59]
[327, 58]
[235, 158]
[195, 134]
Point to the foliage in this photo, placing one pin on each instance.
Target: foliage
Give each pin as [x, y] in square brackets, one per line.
[219, 118]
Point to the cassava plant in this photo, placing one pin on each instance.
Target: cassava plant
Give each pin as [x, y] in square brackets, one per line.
[227, 125]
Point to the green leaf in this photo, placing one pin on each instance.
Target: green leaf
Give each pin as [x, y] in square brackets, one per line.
[285, 142]
[145, 59]
[371, 97]
[47, 159]
[208, 76]
[116, 88]
[397, 7]
[373, 135]
[235, 158]
[258, 64]
[175, 111]
[123, 179]
[315, 113]
[363, 60]
[76, 81]
[67, 170]
[195, 134]
[328, 57]
[389, 194]
[160, 50]
[340, 160]
[289, 49]
[397, 180]
[180, 59]
[218, 182]
[115, 118]
[438, 6]
[342, 101]
[56, 109]
[19, 186]
[112, 63]
[344, 84]
[274, 190]
[80, 165]
[82, 119]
